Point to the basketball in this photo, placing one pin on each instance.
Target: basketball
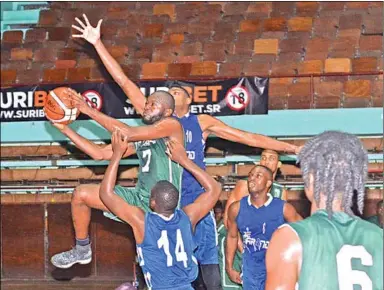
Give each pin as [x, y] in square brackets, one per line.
[59, 109]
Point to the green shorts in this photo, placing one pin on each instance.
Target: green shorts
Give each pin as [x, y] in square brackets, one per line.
[132, 196]
[226, 282]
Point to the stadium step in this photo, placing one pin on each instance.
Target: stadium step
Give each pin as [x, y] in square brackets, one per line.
[20, 15]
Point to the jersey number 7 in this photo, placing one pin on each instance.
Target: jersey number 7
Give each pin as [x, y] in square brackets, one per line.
[180, 254]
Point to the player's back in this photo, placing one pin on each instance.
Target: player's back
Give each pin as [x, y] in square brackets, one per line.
[166, 254]
[155, 165]
[344, 253]
[195, 146]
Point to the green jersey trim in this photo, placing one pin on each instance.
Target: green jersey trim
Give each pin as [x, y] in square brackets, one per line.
[222, 249]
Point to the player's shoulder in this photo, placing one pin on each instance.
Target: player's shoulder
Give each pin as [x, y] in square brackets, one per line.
[170, 121]
[370, 227]
[234, 207]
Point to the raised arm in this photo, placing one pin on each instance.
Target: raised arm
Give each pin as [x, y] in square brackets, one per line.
[164, 128]
[290, 213]
[207, 200]
[93, 150]
[232, 242]
[283, 260]
[92, 35]
[211, 125]
[133, 215]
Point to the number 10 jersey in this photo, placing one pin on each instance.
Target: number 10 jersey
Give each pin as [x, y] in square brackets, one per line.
[166, 253]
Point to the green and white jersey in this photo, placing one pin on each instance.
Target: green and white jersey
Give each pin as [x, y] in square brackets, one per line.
[155, 165]
[227, 283]
[276, 190]
[375, 220]
[342, 253]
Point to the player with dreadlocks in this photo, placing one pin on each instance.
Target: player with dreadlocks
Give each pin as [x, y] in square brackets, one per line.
[333, 248]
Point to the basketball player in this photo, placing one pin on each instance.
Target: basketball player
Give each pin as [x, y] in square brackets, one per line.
[149, 144]
[226, 282]
[164, 238]
[378, 218]
[270, 159]
[218, 212]
[255, 217]
[197, 129]
[331, 249]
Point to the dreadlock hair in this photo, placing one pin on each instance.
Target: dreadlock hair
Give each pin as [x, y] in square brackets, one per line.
[165, 195]
[339, 164]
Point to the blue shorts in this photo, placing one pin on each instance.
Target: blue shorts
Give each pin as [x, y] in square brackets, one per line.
[205, 232]
[254, 283]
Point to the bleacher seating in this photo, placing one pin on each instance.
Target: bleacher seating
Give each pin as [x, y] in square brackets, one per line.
[20, 15]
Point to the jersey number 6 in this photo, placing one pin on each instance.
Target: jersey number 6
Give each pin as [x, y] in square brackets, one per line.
[348, 277]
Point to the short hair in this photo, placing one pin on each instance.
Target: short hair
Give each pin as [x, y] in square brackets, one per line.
[218, 205]
[269, 171]
[270, 151]
[339, 164]
[165, 195]
[165, 98]
[180, 85]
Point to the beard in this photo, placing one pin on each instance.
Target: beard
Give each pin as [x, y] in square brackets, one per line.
[149, 120]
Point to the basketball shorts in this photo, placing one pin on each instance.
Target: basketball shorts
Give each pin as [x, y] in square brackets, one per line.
[226, 282]
[254, 283]
[132, 196]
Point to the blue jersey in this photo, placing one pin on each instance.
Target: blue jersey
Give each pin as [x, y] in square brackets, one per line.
[166, 254]
[256, 226]
[195, 146]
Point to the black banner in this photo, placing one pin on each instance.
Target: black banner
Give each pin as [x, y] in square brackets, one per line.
[247, 95]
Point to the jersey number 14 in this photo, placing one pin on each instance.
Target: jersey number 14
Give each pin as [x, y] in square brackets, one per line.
[180, 254]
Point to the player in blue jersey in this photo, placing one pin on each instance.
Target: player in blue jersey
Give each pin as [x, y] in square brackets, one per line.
[197, 128]
[164, 237]
[255, 217]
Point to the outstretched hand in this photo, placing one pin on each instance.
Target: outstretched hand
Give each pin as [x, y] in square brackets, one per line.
[77, 100]
[88, 32]
[119, 143]
[176, 151]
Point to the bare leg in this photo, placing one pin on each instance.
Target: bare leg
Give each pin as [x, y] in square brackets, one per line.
[84, 198]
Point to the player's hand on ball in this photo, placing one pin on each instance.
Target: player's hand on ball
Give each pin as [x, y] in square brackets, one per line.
[78, 100]
[235, 276]
[88, 32]
[119, 143]
[59, 126]
[176, 151]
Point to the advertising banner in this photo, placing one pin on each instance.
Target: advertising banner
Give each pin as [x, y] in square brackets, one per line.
[237, 96]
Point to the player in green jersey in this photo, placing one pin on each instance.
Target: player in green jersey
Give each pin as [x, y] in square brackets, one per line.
[226, 282]
[332, 249]
[378, 218]
[149, 144]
